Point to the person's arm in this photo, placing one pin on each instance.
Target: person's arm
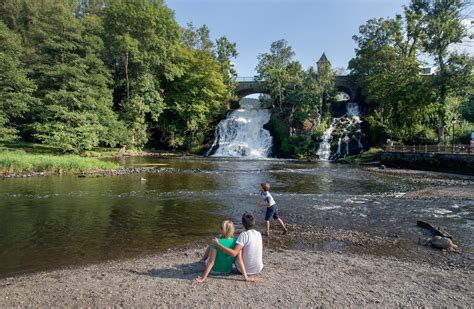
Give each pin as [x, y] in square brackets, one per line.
[207, 270]
[232, 252]
[243, 270]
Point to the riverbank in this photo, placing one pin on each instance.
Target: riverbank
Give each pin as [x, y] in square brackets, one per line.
[22, 164]
[13, 163]
[334, 278]
[439, 162]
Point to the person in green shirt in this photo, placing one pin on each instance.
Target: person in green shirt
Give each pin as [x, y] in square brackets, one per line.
[216, 260]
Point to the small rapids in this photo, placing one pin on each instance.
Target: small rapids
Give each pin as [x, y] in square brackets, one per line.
[347, 131]
[242, 134]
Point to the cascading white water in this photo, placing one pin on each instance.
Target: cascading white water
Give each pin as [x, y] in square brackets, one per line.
[345, 125]
[242, 134]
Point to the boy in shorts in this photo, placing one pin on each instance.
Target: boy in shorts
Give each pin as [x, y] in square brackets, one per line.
[272, 208]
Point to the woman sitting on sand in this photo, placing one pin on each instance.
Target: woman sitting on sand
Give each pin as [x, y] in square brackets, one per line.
[216, 260]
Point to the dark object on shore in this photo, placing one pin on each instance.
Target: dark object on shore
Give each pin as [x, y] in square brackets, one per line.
[81, 176]
[382, 167]
[437, 231]
[444, 243]
[441, 239]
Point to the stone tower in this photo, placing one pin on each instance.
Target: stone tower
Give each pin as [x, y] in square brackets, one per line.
[322, 61]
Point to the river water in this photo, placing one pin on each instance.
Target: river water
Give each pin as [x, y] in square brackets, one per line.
[51, 222]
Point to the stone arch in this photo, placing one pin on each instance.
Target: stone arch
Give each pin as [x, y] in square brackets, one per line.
[246, 88]
[346, 90]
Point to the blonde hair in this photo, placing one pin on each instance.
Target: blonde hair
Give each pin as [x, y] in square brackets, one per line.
[228, 228]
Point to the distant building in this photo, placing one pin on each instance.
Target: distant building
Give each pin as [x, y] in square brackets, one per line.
[429, 70]
[322, 60]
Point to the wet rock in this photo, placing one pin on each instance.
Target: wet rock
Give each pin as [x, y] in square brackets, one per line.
[444, 243]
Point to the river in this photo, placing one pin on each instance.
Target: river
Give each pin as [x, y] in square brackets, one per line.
[58, 221]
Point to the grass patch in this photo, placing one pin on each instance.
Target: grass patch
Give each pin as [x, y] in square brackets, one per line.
[21, 162]
[47, 149]
[368, 156]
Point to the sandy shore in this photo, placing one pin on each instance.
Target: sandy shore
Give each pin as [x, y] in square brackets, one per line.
[291, 278]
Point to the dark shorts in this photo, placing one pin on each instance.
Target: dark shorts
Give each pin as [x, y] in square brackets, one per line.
[271, 212]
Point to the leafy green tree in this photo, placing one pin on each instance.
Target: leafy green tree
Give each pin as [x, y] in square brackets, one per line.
[387, 70]
[467, 110]
[142, 39]
[443, 27]
[326, 79]
[194, 101]
[15, 87]
[272, 69]
[225, 52]
[73, 83]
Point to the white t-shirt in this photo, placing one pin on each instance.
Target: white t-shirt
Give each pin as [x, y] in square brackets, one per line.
[251, 241]
[267, 198]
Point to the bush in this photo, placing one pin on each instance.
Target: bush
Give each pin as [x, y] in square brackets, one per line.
[424, 135]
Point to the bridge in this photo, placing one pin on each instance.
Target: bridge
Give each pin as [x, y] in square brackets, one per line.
[248, 85]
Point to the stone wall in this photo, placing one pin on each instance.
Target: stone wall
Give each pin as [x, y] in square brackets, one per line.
[450, 163]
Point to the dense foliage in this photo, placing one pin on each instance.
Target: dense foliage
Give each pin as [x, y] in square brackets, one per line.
[405, 105]
[78, 74]
[301, 97]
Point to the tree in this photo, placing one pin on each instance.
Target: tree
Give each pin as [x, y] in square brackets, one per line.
[142, 39]
[272, 69]
[467, 110]
[326, 79]
[15, 87]
[76, 103]
[225, 52]
[195, 99]
[388, 72]
[443, 27]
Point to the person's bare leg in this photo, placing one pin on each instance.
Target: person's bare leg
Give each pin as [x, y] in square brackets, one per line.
[209, 265]
[267, 228]
[280, 221]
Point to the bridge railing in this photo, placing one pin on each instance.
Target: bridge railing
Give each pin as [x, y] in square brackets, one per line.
[465, 149]
[245, 78]
[252, 78]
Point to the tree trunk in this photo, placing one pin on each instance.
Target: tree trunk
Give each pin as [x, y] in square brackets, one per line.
[442, 100]
[441, 126]
[442, 116]
[126, 75]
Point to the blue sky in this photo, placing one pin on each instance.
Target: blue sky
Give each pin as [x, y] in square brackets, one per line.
[311, 27]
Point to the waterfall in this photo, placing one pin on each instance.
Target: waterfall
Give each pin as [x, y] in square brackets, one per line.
[242, 134]
[345, 129]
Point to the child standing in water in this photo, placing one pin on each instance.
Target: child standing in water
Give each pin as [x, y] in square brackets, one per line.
[272, 208]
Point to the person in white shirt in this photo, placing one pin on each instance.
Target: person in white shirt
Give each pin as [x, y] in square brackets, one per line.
[248, 249]
[272, 208]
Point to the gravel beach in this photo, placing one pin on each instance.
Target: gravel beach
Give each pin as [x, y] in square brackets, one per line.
[290, 278]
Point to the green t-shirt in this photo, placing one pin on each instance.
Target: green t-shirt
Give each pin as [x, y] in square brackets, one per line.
[223, 262]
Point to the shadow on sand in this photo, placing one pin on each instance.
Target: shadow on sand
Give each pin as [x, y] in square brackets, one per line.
[187, 271]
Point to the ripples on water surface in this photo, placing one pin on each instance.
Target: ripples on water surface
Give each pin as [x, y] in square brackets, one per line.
[56, 221]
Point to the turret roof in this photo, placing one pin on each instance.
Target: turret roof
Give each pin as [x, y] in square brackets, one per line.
[323, 58]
